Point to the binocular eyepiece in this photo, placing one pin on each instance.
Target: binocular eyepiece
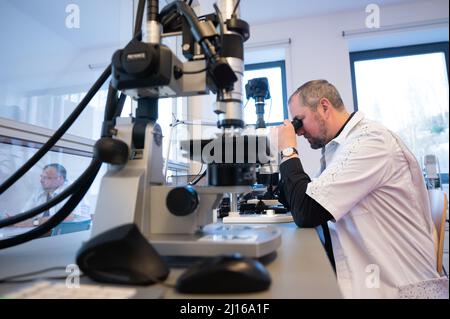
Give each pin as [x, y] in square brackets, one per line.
[297, 123]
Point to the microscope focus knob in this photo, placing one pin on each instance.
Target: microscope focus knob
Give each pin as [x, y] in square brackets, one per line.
[182, 201]
[112, 151]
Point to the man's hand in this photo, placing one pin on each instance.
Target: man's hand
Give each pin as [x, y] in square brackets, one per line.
[29, 222]
[69, 218]
[43, 220]
[25, 223]
[286, 135]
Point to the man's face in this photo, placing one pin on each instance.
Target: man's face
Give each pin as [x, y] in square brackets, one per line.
[314, 127]
[50, 180]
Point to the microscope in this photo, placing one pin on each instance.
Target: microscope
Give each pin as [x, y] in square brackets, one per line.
[179, 220]
[261, 205]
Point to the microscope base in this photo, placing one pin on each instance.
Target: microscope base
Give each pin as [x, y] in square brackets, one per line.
[217, 239]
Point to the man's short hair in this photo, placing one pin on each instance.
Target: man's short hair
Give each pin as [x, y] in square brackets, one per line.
[60, 170]
[311, 92]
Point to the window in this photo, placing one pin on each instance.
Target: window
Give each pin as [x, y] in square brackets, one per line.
[47, 75]
[18, 142]
[276, 108]
[50, 110]
[170, 111]
[406, 89]
[44, 79]
[165, 118]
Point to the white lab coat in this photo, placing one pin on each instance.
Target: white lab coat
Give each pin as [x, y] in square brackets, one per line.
[382, 233]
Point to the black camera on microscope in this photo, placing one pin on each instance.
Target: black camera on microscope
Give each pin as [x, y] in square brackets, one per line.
[258, 89]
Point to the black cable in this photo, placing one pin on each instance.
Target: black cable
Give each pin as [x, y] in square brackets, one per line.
[111, 103]
[191, 18]
[10, 278]
[47, 205]
[90, 173]
[198, 177]
[221, 24]
[120, 105]
[72, 117]
[23, 281]
[195, 72]
[57, 218]
[139, 18]
[235, 8]
[59, 133]
[111, 109]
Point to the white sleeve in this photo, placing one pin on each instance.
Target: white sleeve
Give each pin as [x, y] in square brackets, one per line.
[359, 168]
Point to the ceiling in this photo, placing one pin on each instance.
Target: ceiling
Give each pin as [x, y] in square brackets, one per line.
[266, 11]
[260, 12]
[38, 29]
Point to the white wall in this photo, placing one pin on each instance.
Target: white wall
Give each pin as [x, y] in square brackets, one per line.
[318, 49]
[42, 55]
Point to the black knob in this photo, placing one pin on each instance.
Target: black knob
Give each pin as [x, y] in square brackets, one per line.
[182, 201]
[112, 151]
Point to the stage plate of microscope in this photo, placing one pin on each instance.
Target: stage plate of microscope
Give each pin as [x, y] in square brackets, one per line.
[257, 218]
[267, 202]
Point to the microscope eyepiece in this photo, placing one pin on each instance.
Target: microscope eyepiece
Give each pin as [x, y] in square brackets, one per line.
[297, 123]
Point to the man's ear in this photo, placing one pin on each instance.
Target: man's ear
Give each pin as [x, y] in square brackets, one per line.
[326, 106]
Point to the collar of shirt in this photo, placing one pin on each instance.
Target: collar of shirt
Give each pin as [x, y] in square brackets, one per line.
[354, 119]
[55, 192]
[329, 149]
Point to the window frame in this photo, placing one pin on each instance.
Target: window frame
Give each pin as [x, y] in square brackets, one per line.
[273, 64]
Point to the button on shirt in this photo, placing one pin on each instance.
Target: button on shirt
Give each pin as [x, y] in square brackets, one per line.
[382, 233]
[81, 212]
